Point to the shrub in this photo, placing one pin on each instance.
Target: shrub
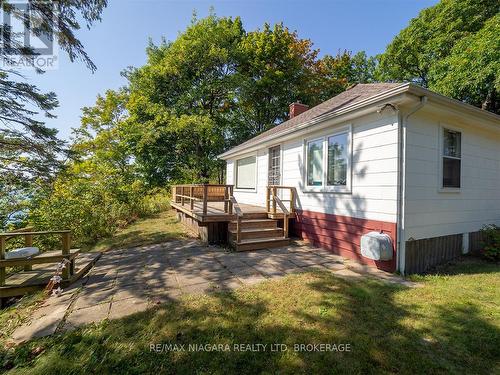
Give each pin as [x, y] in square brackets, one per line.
[491, 242]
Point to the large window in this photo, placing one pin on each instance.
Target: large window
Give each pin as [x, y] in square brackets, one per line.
[452, 158]
[315, 163]
[245, 173]
[337, 160]
[328, 163]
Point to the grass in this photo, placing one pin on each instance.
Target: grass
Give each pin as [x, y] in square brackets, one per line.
[451, 324]
[15, 315]
[159, 228]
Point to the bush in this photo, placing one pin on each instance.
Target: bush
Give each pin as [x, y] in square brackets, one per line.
[491, 242]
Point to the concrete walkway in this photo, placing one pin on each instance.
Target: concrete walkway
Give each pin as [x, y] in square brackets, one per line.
[127, 281]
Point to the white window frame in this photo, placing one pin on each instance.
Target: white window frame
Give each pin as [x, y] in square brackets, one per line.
[235, 173]
[441, 188]
[345, 189]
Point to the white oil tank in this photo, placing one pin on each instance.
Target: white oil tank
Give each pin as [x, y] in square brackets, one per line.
[376, 246]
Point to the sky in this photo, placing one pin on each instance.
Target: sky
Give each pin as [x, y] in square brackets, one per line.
[119, 41]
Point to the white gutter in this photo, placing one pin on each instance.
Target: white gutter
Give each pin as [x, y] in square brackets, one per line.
[366, 102]
[402, 137]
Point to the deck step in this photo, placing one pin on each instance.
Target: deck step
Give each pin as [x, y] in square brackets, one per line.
[255, 215]
[254, 233]
[261, 243]
[254, 223]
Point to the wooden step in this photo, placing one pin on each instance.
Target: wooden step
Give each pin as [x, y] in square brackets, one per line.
[253, 233]
[261, 243]
[255, 215]
[254, 223]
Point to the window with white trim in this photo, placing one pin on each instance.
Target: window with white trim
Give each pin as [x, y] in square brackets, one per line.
[336, 163]
[315, 163]
[452, 158]
[246, 173]
[328, 162]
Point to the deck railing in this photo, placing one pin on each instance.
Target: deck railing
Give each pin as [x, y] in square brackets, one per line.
[272, 193]
[191, 194]
[28, 242]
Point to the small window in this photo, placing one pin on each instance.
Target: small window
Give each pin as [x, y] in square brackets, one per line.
[452, 158]
[337, 160]
[315, 163]
[245, 173]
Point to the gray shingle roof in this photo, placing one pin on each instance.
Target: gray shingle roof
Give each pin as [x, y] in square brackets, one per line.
[351, 96]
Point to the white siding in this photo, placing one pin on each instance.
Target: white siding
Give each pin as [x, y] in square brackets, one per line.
[258, 196]
[431, 212]
[374, 172]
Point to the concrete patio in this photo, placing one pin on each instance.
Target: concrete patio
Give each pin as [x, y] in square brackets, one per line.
[127, 281]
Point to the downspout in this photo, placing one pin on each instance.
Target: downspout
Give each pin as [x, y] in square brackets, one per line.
[403, 122]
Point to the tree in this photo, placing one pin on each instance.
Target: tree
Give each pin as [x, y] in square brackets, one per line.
[435, 46]
[276, 69]
[475, 65]
[102, 174]
[29, 150]
[182, 101]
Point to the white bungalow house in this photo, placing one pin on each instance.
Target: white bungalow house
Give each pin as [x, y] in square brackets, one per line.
[386, 157]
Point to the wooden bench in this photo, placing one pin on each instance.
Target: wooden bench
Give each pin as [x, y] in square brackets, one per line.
[43, 258]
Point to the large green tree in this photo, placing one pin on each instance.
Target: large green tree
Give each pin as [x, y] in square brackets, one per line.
[451, 48]
[182, 100]
[276, 68]
[29, 150]
[101, 188]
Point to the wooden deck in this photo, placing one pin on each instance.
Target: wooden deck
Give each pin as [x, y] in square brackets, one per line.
[19, 283]
[215, 211]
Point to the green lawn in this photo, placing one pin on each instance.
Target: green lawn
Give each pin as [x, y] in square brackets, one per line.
[449, 325]
[159, 228]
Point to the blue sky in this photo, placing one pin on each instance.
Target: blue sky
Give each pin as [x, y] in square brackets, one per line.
[120, 39]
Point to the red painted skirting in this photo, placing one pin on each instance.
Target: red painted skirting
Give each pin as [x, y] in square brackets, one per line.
[342, 235]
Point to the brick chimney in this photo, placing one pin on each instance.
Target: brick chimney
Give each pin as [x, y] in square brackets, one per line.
[297, 108]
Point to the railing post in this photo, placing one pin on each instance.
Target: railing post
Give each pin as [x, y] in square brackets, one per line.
[238, 229]
[230, 202]
[292, 200]
[174, 193]
[274, 199]
[205, 199]
[285, 225]
[226, 197]
[268, 193]
[182, 195]
[66, 245]
[28, 242]
[191, 195]
[2, 257]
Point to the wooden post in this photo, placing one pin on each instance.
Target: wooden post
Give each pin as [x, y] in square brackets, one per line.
[238, 229]
[205, 199]
[182, 196]
[292, 200]
[2, 257]
[191, 194]
[226, 197]
[230, 202]
[274, 199]
[268, 193]
[174, 193]
[66, 245]
[285, 225]
[28, 242]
